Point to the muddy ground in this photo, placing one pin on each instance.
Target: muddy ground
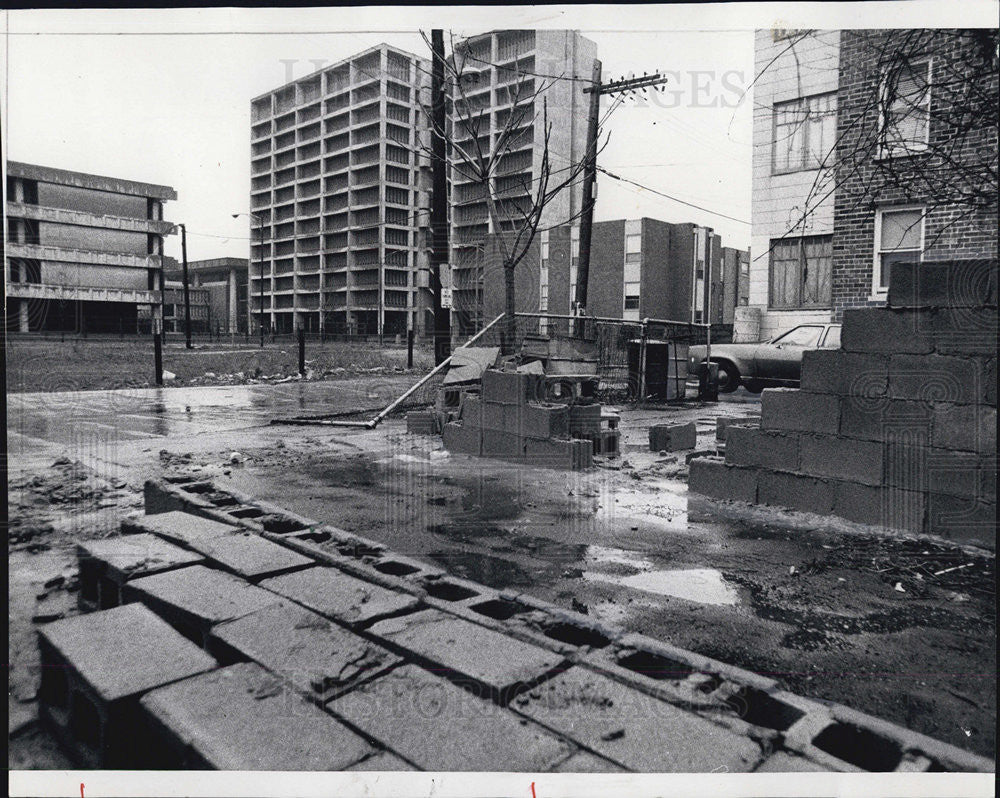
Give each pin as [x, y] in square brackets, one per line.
[900, 628]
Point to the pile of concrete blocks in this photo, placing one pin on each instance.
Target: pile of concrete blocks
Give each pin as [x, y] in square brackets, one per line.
[672, 437]
[508, 420]
[423, 422]
[897, 428]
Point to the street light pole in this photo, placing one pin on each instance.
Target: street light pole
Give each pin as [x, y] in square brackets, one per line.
[260, 227]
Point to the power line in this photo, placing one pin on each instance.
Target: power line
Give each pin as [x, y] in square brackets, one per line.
[670, 197]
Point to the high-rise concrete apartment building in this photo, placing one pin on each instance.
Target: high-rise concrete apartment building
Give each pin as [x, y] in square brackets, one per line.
[83, 251]
[500, 72]
[340, 196]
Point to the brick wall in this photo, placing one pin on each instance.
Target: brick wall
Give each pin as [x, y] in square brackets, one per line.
[952, 229]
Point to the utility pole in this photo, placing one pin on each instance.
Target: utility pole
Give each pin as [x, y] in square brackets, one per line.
[439, 199]
[187, 293]
[596, 91]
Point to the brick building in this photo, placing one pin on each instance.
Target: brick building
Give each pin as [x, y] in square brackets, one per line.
[869, 147]
[916, 126]
[84, 252]
[639, 268]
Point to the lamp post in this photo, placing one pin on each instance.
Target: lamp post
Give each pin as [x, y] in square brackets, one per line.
[260, 226]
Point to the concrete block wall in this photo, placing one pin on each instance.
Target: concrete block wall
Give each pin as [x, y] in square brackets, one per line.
[507, 420]
[897, 428]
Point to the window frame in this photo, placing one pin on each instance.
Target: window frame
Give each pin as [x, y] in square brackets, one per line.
[887, 150]
[803, 165]
[878, 292]
[800, 243]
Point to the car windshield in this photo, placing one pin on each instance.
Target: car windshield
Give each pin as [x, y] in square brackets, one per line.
[800, 336]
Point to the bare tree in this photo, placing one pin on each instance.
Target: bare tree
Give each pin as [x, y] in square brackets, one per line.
[481, 146]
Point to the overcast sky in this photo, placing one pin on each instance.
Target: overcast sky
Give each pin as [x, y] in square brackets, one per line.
[164, 96]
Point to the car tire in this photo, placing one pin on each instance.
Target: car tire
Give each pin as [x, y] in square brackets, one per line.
[729, 377]
[754, 386]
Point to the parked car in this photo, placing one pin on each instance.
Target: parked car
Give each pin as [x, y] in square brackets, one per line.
[774, 363]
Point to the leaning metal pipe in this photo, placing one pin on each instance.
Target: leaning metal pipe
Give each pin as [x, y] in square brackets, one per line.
[397, 402]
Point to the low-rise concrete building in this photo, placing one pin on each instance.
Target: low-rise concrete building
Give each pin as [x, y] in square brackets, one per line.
[83, 252]
[173, 308]
[225, 280]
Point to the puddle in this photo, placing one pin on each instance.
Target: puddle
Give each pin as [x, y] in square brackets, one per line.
[491, 571]
[702, 585]
[596, 555]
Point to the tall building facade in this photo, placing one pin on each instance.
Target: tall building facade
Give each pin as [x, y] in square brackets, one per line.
[528, 76]
[84, 252]
[340, 197]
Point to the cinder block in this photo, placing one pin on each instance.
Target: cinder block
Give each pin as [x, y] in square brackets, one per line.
[746, 446]
[194, 599]
[793, 409]
[462, 439]
[965, 331]
[970, 428]
[884, 419]
[465, 652]
[845, 373]
[786, 762]
[887, 331]
[94, 669]
[723, 423]
[843, 458]
[106, 565]
[493, 415]
[422, 422]
[859, 503]
[178, 527]
[244, 718]
[633, 729]
[585, 421]
[584, 412]
[340, 596]
[509, 387]
[672, 437]
[795, 491]
[550, 453]
[711, 476]
[988, 480]
[316, 656]
[249, 555]
[583, 454]
[962, 519]
[502, 443]
[935, 378]
[546, 421]
[988, 378]
[471, 411]
[960, 283]
[608, 444]
[439, 726]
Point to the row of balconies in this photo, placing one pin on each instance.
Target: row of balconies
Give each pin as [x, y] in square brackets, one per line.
[20, 210]
[80, 292]
[65, 255]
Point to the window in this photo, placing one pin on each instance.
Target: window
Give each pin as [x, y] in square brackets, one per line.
[905, 102]
[805, 132]
[807, 335]
[800, 272]
[631, 303]
[633, 248]
[899, 238]
[832, 340]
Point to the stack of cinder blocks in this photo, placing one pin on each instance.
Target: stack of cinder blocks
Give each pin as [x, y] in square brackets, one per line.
[898, 427]
[506, 421]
